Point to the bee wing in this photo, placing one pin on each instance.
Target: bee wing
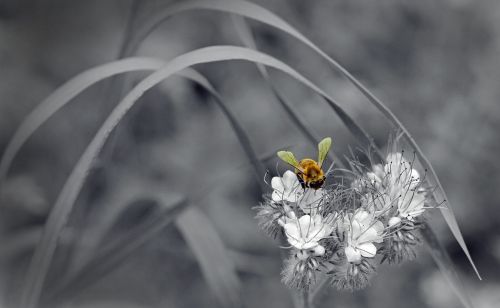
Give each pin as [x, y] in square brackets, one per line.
[289, 158]
[323, 148]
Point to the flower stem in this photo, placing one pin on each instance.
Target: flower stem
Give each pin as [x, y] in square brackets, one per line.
[318, 290]
[306, 303]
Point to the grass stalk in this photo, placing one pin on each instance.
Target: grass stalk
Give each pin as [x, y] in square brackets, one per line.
[116, 252]
[62, 96]
[245, 34]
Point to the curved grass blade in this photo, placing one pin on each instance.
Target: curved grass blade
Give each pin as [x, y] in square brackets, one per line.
[42, 258]
[241, 134]
[246, 37]
[78, 84]
[215, 263]
[443, 260]
[217, 267]
[63, 95]
[128, 48]
[253, 11]
[256, 12]
[115, 253]
[92, 271]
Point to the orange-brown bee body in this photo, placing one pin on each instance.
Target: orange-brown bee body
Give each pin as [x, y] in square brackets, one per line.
[311, 176]
[308, 170]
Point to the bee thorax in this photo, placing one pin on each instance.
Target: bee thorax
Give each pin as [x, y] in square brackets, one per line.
[311, 175]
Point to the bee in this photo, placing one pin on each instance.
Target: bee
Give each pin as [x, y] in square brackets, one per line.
[308, 171]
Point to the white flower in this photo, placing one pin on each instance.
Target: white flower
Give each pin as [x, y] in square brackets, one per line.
[286, 188]
[311, 200]
[400, 172]
[412, 205]
[307, 231]
[362, 230]
[396, 184]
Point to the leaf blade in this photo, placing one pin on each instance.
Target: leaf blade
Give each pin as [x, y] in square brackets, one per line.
[238, 129]
[246, 36]
[113, 254]
[215, 263]
[62, 95]
[256, 12]
[443, 260]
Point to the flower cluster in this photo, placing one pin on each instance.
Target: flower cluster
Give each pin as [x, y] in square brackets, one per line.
[395, 194]
[343, 231]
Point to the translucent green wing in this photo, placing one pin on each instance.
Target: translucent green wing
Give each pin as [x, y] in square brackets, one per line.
[288, 158]
[323, 148]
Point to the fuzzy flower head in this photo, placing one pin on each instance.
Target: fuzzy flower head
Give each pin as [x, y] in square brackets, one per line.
[352, 276]
[340, 229]
[362, 231]
[393, 188]
[299, 271]
[400, 243]
[305, 232]
[269, 215]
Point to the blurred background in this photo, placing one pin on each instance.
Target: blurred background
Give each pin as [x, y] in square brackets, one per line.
[434, 63]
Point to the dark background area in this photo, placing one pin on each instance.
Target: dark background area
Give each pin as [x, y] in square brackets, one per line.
[434, 63]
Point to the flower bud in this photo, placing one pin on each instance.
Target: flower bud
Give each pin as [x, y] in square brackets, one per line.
[302, 255]
[394, 221]
[319, 251]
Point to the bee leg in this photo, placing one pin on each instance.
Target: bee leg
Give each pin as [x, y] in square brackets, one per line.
[301, 181]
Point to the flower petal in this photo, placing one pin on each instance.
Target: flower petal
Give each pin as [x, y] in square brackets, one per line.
[368, 250]
[309, 245]
[310, 200]
[379, 226]
[297, 243]
[352, 255]
[290, 180]
[367, 236]
[277, 196]
[378, 170]
[393, 161]
[414, 179]
[362, 217]
[306, 224]
[277, 183]
[355, 229]
[412, 204]
[292, 230]
[317, 233]
[317, 220]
